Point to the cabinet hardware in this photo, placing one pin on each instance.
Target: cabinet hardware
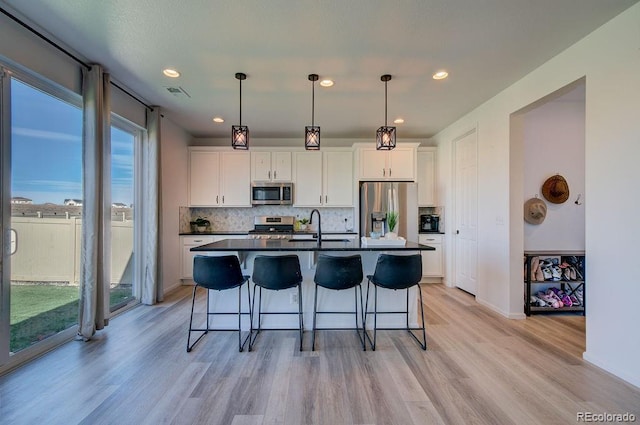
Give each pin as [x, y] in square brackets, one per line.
[326, 199]
[223, 199]
[384, 171]
[217, 199]
[269, 174]
[320, 198]
[197, 240]
[389, 172]
[275, 174]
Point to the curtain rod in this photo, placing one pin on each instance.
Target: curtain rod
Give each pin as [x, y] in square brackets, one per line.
[66, 52]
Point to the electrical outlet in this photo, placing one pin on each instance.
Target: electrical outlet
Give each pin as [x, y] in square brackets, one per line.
[293, 298]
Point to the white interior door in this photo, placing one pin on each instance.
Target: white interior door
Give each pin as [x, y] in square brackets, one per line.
[466, 212]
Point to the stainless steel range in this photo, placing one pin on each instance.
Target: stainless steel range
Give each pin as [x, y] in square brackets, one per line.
[272, 227]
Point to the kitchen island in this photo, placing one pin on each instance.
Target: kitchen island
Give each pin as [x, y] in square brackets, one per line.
[307, 251]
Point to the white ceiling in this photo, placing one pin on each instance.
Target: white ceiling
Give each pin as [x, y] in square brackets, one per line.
[486, 45]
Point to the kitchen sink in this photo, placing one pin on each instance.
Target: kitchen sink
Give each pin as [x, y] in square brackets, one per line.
[315, 240]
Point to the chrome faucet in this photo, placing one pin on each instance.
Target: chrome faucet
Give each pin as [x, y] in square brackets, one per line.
[315, 210]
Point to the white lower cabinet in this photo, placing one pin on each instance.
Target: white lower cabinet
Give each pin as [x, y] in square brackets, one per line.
[189, 242]
[432, 261]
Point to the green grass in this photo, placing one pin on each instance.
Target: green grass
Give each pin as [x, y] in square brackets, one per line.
[39, 311]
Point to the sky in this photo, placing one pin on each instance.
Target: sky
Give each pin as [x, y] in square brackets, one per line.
[46, 150]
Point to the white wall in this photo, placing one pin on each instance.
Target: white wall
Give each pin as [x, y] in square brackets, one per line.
[174, 156]
[610, 59]
[554, 144]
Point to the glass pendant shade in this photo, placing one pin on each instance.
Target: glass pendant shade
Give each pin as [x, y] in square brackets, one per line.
[312, 132]
[385, 136]
[240, 137]
[240, 133]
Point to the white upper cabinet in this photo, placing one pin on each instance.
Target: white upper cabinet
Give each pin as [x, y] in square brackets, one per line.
[270, 166]
[308, 179]
[396, 164]
[218, 178]
[426, 177]
[323, 179]
[338, 178]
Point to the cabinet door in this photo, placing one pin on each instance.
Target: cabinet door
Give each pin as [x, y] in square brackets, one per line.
[338, 179]
[261, 166]
[189, 242]
[432, 261]
[203, 178]
[401, 164]
[281, 166]
[236, 179]
[426, 179]
[308, 179]
[373, 164]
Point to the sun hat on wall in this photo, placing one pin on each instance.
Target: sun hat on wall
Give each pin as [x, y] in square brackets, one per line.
[555, 189]
[535, 211]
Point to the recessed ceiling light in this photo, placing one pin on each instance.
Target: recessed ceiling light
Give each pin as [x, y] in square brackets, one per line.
[171, 73]
[218, 119]
[398, 121]
[326, 83]
[440, 75]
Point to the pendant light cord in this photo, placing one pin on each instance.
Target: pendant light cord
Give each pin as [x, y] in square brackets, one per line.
[385, 103]
[313, 101]
[240, 101]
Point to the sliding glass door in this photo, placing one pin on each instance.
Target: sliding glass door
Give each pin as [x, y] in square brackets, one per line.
[45, 213]
[124, 139]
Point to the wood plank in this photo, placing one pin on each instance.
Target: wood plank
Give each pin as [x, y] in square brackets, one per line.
[479, 368]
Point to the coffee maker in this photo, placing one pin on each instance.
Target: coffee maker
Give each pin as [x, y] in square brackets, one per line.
[429, 223]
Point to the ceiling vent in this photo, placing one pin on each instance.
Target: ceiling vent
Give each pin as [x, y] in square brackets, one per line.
[178, 91]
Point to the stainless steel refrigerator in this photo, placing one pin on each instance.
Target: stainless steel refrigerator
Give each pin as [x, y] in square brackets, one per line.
[377, 199]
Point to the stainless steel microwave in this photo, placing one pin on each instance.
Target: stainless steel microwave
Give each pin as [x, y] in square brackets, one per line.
[268, 193]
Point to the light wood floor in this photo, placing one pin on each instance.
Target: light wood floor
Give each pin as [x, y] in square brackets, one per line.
[479, 368]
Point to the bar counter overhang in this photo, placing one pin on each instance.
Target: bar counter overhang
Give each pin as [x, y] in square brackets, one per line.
[307, 251]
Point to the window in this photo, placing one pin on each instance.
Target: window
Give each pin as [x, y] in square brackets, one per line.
[46, 212]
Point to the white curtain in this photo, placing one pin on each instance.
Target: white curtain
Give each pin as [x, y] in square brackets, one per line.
[150, 211]
[95, 256]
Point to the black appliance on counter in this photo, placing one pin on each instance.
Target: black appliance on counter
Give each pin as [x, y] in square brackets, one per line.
[429, 223]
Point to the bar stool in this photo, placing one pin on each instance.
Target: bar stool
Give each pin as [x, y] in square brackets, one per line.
[276, 273]
[396, 272]
[339, 273]
[219, 274]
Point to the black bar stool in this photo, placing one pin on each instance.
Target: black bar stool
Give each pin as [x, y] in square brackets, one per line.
[277, 273]
[396, 272]
[339, 273]
[219, 274]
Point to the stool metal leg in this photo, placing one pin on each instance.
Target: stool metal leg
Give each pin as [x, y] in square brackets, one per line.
[315, 309]
[301, 324]
[193, 302]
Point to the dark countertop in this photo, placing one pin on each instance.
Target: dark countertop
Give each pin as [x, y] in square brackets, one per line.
[284, 245]
[426, 232]
[246, 232]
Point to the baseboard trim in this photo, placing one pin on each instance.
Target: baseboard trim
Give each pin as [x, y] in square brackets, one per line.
[515, 316]
[611, 369]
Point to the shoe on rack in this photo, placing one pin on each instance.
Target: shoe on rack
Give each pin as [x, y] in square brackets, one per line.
[535, 263]
[556, 273]
[549, 300]
[546, 271]
[539, 274]
[574, 301]
[555, 296]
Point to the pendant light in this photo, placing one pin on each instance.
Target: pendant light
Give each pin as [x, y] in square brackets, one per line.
[312, 132]
[385, 136]
[240, 133]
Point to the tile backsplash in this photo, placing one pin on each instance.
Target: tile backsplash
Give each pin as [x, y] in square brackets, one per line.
[241, 219]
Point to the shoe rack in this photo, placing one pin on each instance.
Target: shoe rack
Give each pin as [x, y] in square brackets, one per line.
[549, 277]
